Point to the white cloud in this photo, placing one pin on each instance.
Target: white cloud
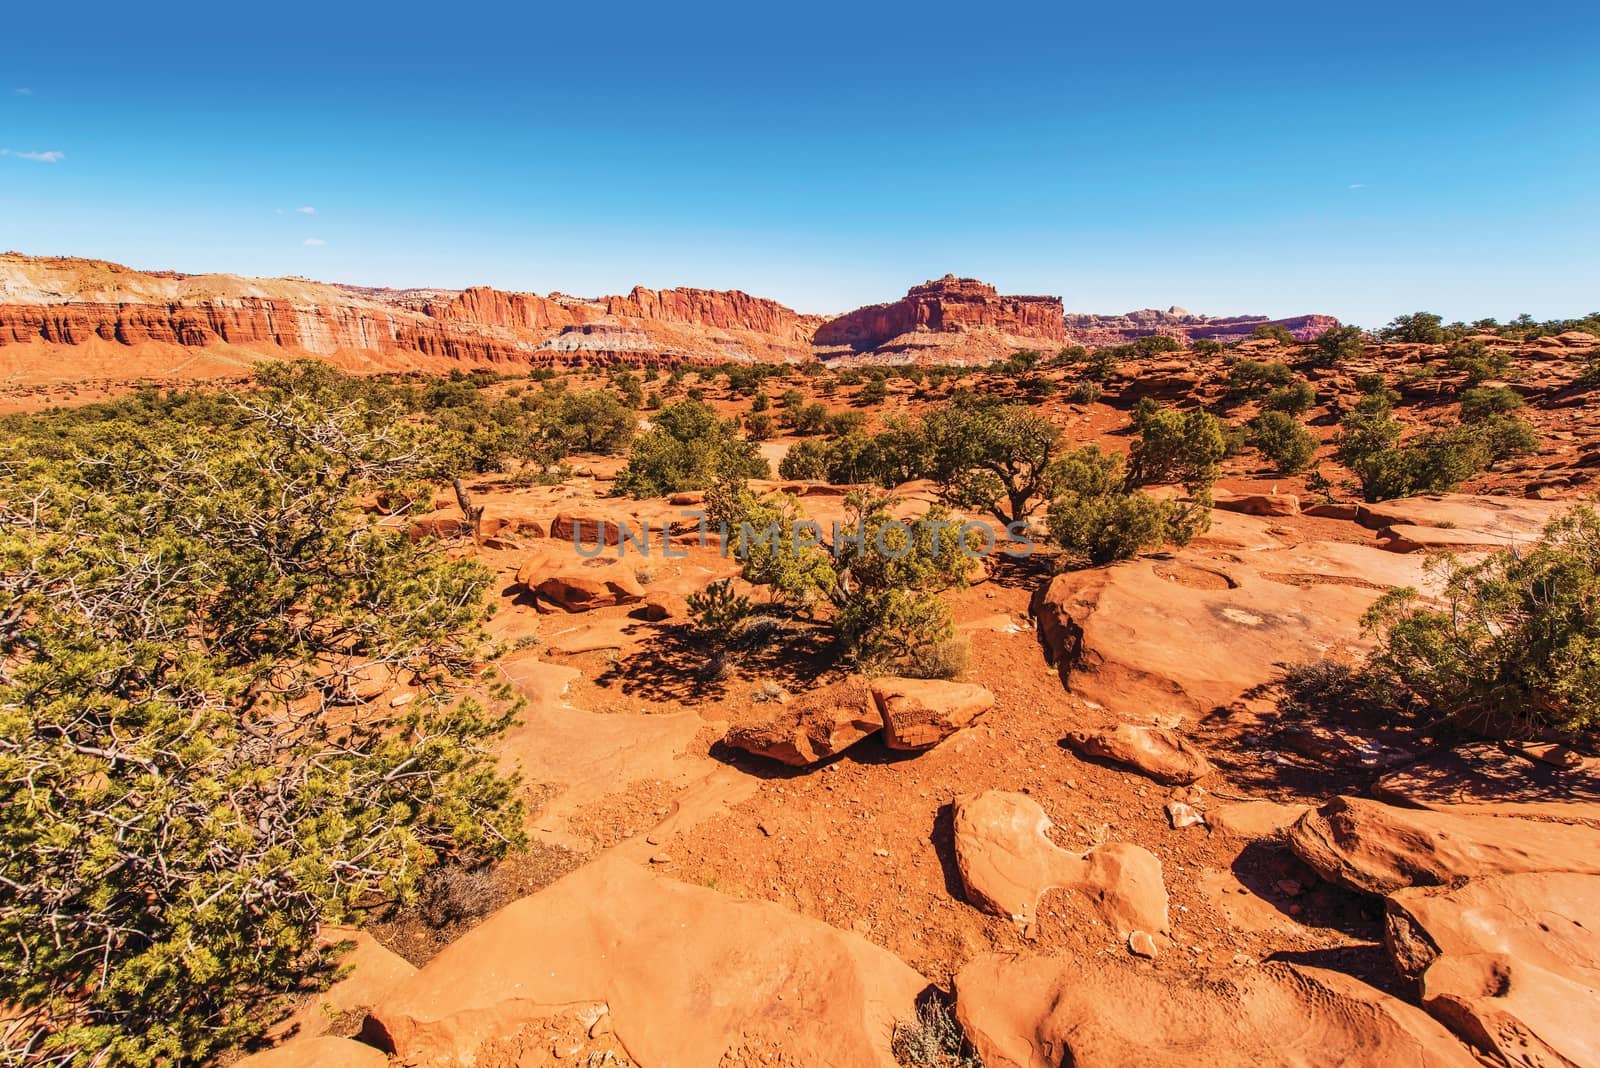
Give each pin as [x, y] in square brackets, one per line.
[306, 210]
[23, 92]
[1356, 185]
[312, 242]
[36, 157]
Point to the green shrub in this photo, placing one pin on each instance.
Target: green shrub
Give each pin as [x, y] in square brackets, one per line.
[874, 392]
[1336, 346]
[1418, 327]
[1098, 519]
[1274, 332]
[1086, 392]
[1295, 398]
[1282, 439]
[1173, 446]
[760, 426]
[1478, 360]
[1207, 346]
[717, 612]
[1516, 647]
[193, 778]
[995, 457]
[688, 448]
[1482, 402]
[1250, 378]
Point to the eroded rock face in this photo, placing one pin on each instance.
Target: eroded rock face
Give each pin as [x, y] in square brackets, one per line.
[1007, 862]
[1162, 754]
[687, 973]
[946, 305]
[815, 726]
[921, 713]
[1518, 1011]
[1027, 1012]
[1548, 919]
[1458, 522]
[1202, 630]
[1101, 330]
[1378, 848]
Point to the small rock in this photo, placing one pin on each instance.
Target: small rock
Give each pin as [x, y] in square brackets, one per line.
[764, 829]
[401, 700]
[661, 858]
[880, 852]
[1181, 815]
[1290, 887]
[1140, 944]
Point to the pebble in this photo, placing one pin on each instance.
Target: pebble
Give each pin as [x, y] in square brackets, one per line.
[1141, 944]
[661, 858]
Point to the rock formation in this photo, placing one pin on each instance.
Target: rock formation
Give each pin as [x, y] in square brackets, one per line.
[975, 318]
[1097, 331]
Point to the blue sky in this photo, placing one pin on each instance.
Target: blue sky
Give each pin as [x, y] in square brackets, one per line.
[1357, 159]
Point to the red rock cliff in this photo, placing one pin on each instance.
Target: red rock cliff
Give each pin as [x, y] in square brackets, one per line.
[948, 305]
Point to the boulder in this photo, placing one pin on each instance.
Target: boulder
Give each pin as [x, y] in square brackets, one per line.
[1007, 862]
[688, 975]
[659, 607]
[1206, 629]
[814, 727]
[593, 527]
[1038, 1011]
[579, 585]
[1162, 754]
[921, 713]
[1378, 848]
[1347, 512]
[1274, 504]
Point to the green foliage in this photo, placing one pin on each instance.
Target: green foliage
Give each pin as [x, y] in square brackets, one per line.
[688, 448]
[717, 611]
[991, 456]
[1085, 392]
[629, 388]
[1336, 346]
[1294, 399]
[773, 542]
[760, 426]
[806, 418]
[888, 614]
[1207, 346]
[1098, 519]
[1478, 360]
[873, 393]
[1418, 327]
[193, 615]
[593, 421]
[1481, 402]
[1250, 378]
[1143, 411]
[1184, 447]
[1516, 647]
[1283, 440]
[1274, 332]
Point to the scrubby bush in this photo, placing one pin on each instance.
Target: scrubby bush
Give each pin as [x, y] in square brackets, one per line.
[1098, 519]
[1481, 402]
[1173, 446]
[1418, 327]
[717, 612]
[1336, 346]
[1478, 360]
[688, 448]
[995, 457]
[873, 393]
[1207, 346]
[1086, 392]
[1251, 378]
[1514, 649]
[1274, 332]
[1282, 439]
[1295, 398]
[760, 426]
[194, 615]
